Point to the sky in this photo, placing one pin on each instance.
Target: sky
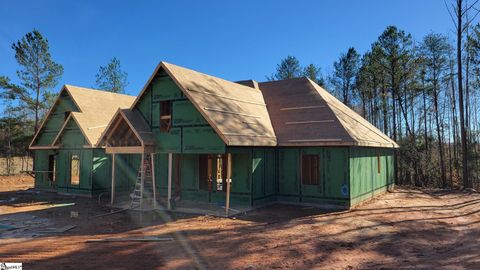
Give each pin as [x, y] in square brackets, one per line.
[234, 40]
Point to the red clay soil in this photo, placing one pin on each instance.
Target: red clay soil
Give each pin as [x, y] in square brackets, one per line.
[17, 182]
[407, 228]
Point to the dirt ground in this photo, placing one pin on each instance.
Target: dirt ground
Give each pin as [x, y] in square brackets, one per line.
[15, 183]
[407, 228]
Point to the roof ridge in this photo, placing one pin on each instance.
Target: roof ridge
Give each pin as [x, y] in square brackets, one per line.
[208, 75]
[283, 80]
[97, 90]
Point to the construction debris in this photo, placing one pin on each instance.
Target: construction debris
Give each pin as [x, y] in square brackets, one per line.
[57, 230]
[74, 214]
[6, 227]
[141, 239]
[110, 213]
[12, 199]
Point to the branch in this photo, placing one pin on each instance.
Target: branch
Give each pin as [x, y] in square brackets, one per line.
[469, 7]
[451, 15]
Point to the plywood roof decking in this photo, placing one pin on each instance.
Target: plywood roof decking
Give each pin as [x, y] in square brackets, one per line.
[304, 114]
[362, 131]
[96, 109]
[236, 112]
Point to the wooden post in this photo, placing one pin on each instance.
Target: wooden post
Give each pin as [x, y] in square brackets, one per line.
[169, 194]
[229, 179]
[209, 172]
[152, 156]
[113, 180]
[142, 180]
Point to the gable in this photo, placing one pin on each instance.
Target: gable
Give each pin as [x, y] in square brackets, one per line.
[237, 113]
[71, 136]
[54, 120]
[190, 132]
[161, 88]
[120, 133]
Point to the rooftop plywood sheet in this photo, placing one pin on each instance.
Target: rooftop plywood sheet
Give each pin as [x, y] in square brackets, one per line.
[304, 114]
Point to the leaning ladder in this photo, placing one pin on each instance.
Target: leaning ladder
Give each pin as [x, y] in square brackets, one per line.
[144, 176]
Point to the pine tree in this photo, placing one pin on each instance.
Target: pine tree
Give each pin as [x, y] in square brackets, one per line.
[288, 68]
[435, 50]
[38, 74]
[314, 73]
[111, 77]
[345, 71]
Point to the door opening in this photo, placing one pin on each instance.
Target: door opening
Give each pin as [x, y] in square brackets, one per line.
[51, 168]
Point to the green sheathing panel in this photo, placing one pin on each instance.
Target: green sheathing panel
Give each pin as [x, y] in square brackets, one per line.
[189, 179]
[263, 175]
[186, 114]
[155, 115]
[55, 120]
[72, 136]
[41, 164]
[333, 187]
[288, 174]
[315, 190]
[126, 170]
[333, 172]
[64, 184]
[241, 188]
[101, 171]
[95, 171]
[161, 89]
[241, 178]
[164, 88]
[202, 140]
[336, 173]
[144, 105]
[189, 133]
[168, 142]
[161, 173]
[365, 180]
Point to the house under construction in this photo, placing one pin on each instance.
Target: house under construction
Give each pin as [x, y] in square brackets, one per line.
[193, 137]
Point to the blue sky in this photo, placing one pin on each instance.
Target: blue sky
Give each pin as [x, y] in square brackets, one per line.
[235, 40]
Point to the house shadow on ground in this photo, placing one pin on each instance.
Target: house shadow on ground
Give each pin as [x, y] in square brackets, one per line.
[403, 229]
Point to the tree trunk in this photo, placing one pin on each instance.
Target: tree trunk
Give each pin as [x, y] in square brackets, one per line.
[463, 134]
[439, 137]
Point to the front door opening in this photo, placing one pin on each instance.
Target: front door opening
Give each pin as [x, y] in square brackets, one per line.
[205, 172]
[51, 168]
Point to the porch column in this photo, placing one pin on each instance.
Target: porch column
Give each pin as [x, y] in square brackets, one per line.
[152, 156]
[229, 179]
[169, 192]
[113, 180]
[142, 180]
